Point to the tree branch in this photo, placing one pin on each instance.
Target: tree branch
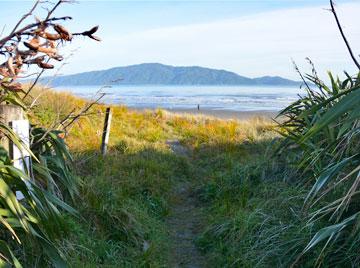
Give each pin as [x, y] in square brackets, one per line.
[54, 8]
[343, 34]
[82, 112]
[30, 26]
[34, 83]
[24, 17]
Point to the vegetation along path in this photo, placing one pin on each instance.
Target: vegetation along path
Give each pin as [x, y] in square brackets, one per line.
[184, 220]
[221, 183]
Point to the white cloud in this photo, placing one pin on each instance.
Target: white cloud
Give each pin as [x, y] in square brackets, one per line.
[256, 45]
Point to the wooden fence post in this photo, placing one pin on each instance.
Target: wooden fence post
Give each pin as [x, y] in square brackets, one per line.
[13, 116]
[9, 113]
[106, 132]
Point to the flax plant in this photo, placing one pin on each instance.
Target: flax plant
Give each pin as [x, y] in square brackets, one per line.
[30, 227]
[323, 128]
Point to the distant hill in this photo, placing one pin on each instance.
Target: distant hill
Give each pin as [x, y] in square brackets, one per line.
[159, 74]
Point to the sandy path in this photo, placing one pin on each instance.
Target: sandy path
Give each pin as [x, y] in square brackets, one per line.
[184, 221]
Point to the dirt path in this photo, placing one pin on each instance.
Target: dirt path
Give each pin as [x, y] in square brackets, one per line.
[184, 221]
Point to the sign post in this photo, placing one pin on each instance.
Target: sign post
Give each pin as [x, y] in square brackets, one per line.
[13, 116]
[21, 158]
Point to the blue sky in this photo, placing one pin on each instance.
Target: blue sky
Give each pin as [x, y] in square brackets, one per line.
[135, 15]
[252, 38]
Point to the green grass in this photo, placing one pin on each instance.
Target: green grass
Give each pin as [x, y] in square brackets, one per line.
[252, 195]
[125, 196]
[123, 203]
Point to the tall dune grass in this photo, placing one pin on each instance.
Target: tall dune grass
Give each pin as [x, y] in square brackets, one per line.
[324, 126]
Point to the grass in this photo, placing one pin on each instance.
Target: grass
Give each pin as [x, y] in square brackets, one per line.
[126, 196]
[124, 203]
[251, 195]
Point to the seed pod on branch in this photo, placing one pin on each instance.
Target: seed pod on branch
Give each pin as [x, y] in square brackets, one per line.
[92, 30]
[95, 38]
[45, 65]
[40, 61]
[30, 46]
[33, 44]
[15, 87]
[47, 50]
[35, 41]
[49, 36]
[26, 53]
[57, 57]
[63, 32]
[90, 33]
[41, 39]
[36, 60]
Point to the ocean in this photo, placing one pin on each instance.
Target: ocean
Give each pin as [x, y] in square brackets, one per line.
[233, 98]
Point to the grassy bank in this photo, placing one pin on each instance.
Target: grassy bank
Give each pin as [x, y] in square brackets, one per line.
[250, 193]
[126, 196]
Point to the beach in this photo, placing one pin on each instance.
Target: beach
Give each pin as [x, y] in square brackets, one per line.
[221, 114]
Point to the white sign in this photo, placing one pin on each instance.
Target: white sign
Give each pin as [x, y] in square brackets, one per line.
[20, 156]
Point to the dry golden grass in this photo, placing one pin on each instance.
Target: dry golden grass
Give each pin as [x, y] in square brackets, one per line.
[139, 128]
